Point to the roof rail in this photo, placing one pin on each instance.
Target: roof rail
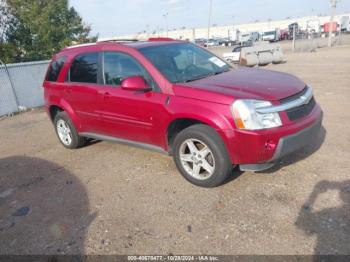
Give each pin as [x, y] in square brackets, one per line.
[116, 40]
[160, 39]
[80, 45]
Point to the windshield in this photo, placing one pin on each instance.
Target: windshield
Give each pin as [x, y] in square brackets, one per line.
[270, 33]
[184, 62]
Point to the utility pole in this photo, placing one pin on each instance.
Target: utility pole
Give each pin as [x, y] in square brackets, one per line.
[147, 31]
[294, 36]
[333, 8]
[166, 23]
[209, 18]
[233, 27]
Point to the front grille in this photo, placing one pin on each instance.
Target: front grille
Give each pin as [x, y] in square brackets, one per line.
[300, 111]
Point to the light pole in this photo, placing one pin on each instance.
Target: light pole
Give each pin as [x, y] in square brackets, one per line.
[233, 27]
[209, 18]
[166, 23]
[147, 31]
[333, 7]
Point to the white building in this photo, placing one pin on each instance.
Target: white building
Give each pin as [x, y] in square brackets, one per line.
[223, 31]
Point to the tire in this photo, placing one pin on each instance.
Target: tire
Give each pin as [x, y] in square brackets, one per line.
[203, 137]
[69, 137]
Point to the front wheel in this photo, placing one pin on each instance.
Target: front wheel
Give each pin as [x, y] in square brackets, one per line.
[201, 156]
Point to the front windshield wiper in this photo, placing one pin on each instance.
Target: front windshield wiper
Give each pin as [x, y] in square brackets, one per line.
[205, 76]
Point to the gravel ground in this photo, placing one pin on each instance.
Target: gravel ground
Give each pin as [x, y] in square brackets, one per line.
[113, 199]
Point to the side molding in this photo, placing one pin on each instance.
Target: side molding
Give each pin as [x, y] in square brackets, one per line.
[125, 142]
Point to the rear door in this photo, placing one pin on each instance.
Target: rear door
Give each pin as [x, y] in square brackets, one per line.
[81, 90]
[127, 114]
[53, 88]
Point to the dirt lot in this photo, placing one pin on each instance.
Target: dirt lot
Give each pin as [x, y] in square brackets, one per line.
[113, 199]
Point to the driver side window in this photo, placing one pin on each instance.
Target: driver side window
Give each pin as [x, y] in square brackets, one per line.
[118, 66]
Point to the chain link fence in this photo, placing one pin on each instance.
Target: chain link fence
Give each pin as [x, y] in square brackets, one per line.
[21, 86]
[310, 42]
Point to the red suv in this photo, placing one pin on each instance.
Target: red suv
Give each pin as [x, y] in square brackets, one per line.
[177, 98]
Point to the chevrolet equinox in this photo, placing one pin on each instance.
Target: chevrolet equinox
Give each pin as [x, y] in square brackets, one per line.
[177, 98]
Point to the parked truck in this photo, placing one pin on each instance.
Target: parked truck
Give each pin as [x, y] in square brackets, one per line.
[313, 26]
[293, 29]
[345, 24]
[271, 35]
[249, 37]
[234, 35]
[326, 28]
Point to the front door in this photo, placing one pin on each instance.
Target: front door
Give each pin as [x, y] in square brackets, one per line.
[127, 114]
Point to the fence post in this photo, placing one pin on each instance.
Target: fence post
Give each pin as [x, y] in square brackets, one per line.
[11, 84]
[293, 47]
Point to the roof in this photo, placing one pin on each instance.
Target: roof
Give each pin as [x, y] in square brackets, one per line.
[139, 45]
[129, 42]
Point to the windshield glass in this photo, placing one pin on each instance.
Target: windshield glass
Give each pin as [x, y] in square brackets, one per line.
[184, 62]
[270, 33]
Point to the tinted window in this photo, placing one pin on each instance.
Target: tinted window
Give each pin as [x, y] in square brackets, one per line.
[117, 66]
[184, 62]
[55, 69]
[84, 68]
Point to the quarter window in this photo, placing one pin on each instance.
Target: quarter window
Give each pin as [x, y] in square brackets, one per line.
[84, 68]
[55, 69]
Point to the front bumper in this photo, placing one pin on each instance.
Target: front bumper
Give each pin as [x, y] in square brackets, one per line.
[292, 143]
[287, 145]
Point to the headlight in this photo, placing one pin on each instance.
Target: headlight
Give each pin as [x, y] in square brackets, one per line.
[246, 117]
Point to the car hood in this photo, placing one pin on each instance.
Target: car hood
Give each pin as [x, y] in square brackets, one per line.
[247, 83]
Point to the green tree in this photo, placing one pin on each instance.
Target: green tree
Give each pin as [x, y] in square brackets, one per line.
[37, 29]
[7, 50]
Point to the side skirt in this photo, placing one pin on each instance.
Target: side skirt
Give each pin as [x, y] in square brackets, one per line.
[125, 142]
[256, 167]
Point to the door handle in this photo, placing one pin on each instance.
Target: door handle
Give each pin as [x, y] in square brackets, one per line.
[106, 95]
[69, 89]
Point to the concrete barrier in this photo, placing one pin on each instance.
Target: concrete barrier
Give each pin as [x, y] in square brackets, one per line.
[261, 54]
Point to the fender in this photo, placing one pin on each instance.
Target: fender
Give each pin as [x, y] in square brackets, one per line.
[60, 102]
[221, 119]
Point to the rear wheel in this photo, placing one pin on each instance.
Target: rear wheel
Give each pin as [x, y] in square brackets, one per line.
[66, 132]
[201, 156]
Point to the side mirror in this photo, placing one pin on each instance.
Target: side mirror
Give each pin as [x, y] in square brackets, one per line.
[135, 83]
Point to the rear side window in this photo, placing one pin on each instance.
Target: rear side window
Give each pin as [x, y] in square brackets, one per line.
[84, 68]
[55, 69]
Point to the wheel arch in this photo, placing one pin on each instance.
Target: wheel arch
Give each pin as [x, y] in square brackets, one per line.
[179, 123]
[54, 108]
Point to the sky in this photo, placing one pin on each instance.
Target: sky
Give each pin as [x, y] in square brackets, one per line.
[110, 18]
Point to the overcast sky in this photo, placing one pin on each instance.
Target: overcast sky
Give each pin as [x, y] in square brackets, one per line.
[119, 17]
